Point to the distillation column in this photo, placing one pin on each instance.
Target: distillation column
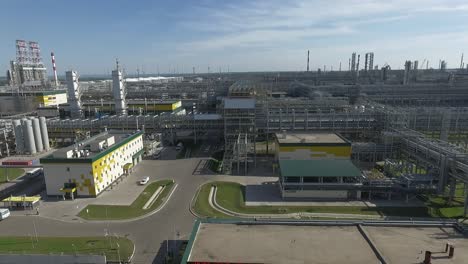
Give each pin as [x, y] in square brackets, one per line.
[74, 94]
[118, 90]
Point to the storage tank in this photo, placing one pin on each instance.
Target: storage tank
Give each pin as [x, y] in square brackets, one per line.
[19, 138]
[37, 135]
[29, 136]
[44, 133]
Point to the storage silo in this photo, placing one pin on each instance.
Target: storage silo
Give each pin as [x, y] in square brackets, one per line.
[44, 133]
[29, 136]
[19, 138]
[37, 135]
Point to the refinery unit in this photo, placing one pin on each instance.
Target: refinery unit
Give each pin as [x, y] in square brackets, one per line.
[413, 120]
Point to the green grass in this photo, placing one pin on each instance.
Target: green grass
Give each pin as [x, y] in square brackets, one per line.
[231, 196]
[119, 212]
[439, 206]
[12, 173]
[202, 207]
[69, 245]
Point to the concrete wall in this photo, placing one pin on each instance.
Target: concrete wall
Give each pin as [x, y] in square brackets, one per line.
[313, 152]
[108, 168]
[56, 174]
[319, 194]
[52, 100]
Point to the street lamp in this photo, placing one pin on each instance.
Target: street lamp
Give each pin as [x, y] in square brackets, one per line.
[118, 252]
[74, 248]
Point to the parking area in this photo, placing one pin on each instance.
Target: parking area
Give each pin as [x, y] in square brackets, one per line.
[122, 192]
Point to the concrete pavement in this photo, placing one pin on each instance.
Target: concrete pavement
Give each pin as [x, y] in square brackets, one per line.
[150, 233]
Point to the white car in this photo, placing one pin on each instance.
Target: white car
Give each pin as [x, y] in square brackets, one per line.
[4, 213]
[144, 181]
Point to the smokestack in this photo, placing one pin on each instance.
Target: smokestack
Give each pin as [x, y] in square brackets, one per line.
[461, 62]
[54, 68]
[308, 52]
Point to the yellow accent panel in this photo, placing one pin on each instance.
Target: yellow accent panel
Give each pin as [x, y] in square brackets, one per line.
[339, 151]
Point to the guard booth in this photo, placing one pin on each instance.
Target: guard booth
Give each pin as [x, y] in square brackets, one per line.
[69, 190]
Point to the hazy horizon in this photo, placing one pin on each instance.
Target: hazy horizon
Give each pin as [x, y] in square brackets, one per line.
[241, 36]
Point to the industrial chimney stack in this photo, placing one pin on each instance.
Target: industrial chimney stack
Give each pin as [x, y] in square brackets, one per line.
[54, 68]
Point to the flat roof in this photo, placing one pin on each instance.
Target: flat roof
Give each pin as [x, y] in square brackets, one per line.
[133, 101]
[30, 199]
[408, 244]
[309, 138]
[318, 168]
[36, 93]
[120, 138]
[244, 241]
[273, 243]
[239, 103]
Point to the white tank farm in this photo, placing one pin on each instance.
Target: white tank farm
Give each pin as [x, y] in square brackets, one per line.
[37, 135]
[29, 136]
[44, 133]
[19, 137]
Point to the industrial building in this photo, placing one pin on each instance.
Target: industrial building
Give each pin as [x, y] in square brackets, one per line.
[316, 165]
[134, 107]
[28, 69]
[88, 167]
[307, 146]
[414, 120]
[217, 241]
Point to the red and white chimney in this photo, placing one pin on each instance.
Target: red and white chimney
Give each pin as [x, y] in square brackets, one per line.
[55, 68]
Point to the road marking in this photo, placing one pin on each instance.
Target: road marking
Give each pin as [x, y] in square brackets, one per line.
[153, 197]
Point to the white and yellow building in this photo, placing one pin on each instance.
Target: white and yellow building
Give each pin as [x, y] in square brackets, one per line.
[87, 168]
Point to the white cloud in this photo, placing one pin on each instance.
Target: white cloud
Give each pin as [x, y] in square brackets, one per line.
[270, 23]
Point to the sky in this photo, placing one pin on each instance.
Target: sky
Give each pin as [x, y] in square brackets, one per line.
[242, 35]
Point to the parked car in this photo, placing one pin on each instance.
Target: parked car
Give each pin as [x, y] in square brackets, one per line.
[144, 181]
[4, 213]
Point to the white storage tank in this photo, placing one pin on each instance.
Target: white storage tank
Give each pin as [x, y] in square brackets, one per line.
[44, 133]
[19, 137]
[29, 136]
[37, 135]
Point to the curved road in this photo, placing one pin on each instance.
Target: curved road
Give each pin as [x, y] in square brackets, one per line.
[150, 233]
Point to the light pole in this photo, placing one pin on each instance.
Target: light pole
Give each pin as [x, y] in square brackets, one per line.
[35, 230]
[118, 252]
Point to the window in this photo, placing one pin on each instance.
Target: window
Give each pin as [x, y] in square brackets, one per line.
[311, 179]
[330, 179]
[292, 179]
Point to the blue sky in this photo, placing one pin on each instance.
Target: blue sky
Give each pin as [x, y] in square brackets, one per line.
[243, 35]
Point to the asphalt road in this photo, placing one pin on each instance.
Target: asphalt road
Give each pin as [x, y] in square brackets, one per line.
[149, 234]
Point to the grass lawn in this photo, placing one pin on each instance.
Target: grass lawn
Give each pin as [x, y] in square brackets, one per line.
[118, 212]
[203, 208]
[231, 196]
[439, 206]
[69, 245]
[12, 173]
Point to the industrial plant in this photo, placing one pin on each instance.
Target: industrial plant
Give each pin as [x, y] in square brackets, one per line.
[361, 132]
